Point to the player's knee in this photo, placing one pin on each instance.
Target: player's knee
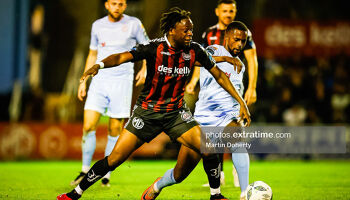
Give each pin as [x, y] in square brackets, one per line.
[115, 128]
[88, 127]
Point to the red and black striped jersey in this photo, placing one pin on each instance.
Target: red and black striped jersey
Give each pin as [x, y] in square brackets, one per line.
[168, 70]
[213, 35]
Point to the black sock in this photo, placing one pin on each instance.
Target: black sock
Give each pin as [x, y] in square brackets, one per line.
[212, 167]
[221, 159]
[97, 171]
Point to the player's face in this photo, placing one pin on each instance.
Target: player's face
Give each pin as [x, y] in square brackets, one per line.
[115, 8]
[226, 13]
[235, 41]
[183, 32]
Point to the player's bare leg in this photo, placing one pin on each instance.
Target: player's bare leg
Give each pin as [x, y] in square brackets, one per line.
[88, 144]
[241, 164]
[115, 127]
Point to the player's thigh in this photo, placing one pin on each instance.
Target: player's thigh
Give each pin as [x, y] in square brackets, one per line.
[120, 95]
[125, 146]
[91, 118]
[191, 138]
[187, 160]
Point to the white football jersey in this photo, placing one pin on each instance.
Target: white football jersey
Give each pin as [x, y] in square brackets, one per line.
[116, 37]
[213, 101]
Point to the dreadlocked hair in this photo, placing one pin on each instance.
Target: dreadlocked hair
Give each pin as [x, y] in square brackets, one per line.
[169, 19]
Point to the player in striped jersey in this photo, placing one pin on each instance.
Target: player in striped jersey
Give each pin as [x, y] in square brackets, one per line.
[110, 91]
[160, 106]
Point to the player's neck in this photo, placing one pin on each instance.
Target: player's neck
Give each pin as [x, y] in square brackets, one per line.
[112, 19]
[221, 26]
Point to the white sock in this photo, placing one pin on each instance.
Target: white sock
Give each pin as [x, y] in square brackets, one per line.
[79, 190]
[215, 191]
[85, 168]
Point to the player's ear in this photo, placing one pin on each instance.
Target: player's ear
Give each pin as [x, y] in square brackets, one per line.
[106, 5]
[217, 11]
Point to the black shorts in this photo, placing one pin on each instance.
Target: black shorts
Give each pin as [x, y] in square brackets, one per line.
[147, 124]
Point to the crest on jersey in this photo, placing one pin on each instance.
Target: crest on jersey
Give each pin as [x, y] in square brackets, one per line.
[186, 56]
[186, 116]
[211, 49]
[138, 123]
[125, 28]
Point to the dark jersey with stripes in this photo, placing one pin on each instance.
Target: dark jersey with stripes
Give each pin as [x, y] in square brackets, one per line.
[213, 35]
[168, 70]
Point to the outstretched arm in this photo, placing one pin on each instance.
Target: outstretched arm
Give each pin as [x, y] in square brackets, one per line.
[110, 61]
[252, 61]
[225, 82]
[90, 61]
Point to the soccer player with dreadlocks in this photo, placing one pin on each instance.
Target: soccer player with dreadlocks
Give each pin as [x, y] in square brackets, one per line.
[160, 106]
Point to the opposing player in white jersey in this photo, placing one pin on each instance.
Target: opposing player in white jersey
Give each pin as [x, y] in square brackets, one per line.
[110, 91]
[215, 107]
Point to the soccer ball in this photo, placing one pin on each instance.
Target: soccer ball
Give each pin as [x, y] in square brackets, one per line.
[258, 191]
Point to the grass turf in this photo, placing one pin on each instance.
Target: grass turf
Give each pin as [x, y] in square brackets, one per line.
[288, 180]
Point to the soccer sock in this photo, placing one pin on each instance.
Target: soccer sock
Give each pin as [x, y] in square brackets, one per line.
[88, 149]
[167, 180]
[221, 158]
[241, 163]
[97, 171]
[109, 147]
[212, 168]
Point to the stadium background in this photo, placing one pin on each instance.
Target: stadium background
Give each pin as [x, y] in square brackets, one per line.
[303, 54]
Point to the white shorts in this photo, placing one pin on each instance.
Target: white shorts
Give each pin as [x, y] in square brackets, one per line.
[223, 121]
[111, 98]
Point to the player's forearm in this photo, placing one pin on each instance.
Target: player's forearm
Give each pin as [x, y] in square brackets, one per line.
[115, 60]
[252, 62]
[90, 60]
[195, 75]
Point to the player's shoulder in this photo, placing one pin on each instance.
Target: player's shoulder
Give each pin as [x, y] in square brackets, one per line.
[100, 21]
[215, 49]
[131, 18]
[212, 28]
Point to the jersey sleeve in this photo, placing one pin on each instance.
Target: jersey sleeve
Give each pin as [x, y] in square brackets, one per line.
[140, 33]
[93, 39]
[204, 57]
[141, 51]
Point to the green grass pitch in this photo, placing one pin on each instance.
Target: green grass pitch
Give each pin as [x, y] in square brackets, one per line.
[295, 180]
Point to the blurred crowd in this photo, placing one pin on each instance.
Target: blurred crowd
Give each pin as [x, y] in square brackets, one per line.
[301, 90]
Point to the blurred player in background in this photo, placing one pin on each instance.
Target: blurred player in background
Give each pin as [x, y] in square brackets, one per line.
[226, 12]
[110, 91]
[160, 106]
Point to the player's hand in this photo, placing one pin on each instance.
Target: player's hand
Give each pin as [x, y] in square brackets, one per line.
[82, 91]
[237, 64]
[190, 88]
[244, 115]
[140, 78]
[90, 72]
[250, 96]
